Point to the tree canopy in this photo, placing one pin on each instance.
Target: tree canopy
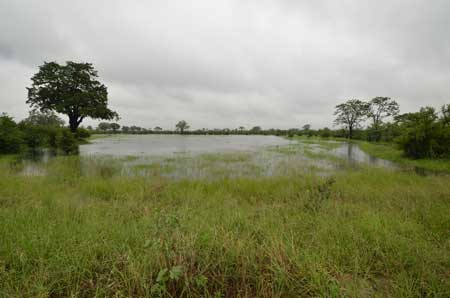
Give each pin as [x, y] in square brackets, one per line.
[71, 89]
[380, 108]
[181, 126]
[351, 114]
[47, 118]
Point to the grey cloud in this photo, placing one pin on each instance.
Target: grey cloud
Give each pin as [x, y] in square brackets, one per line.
[230, 63]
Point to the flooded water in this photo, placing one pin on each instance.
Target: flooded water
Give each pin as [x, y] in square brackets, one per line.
[353, 154]
[138, 145]
[210, 157]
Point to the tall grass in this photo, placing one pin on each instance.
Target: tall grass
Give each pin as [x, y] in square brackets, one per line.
[364, 233]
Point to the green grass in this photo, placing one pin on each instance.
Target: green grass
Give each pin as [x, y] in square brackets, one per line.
[392, 153]
[365, 233]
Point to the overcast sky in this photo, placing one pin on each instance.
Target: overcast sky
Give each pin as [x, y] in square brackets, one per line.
[216, 64]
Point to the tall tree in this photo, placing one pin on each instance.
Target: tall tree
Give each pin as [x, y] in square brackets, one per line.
[380, 108]
[351, 114]
[182, 126]
[71, 89]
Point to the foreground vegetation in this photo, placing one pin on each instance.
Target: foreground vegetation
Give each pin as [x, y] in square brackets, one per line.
[89, 232]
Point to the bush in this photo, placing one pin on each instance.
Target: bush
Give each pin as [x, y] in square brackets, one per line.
[66, 142]
[424, 134]
[34, 136]
[11, 138]
[82, 133]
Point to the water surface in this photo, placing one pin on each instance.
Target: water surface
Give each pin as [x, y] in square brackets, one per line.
[135, 145]
[210, 157]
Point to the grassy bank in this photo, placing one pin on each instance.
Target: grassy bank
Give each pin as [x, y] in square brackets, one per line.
[361, 233]
[387, 151]
[392, 153]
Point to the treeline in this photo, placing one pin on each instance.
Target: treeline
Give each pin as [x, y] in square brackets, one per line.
[422, 134]
[36, 132]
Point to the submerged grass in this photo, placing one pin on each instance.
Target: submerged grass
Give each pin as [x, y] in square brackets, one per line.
[392, 153]
[364, 233]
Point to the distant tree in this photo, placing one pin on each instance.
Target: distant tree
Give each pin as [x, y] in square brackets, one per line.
[325, 132]
[241, 128]
[89, 127]
[104, 126]
[82, 133]
[114, 126]
[256, 129]
[351, 114]
[380, 108]
[135, 128]
[125, 129]
[71, 89]
[307, 130]
[157, 128]
[47, 118]
[181, 126]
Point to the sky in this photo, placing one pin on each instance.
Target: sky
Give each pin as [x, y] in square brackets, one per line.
[231, 63]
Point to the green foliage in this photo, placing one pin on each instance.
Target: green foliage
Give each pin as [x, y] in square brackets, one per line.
[66, 142]
[424, 134]
[104, 126]
[111, 127]
[43, 119]
[82, 133]
[325, 132]
[255, 130]
[11, 138]
[365, 233]
[181, 126]
[115, 127]
[71, 89]
[351, 114]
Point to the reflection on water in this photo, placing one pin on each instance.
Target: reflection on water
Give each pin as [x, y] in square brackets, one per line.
[353, 154]
[32, 162]
[138, 145]
[210, 157]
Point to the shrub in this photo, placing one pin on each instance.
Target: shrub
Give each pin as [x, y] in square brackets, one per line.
[66, 142]
[11, 138]
[82, 133]
[424, 134]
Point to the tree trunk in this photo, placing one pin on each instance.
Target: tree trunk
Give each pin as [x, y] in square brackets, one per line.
[350, 132]
[73, 124]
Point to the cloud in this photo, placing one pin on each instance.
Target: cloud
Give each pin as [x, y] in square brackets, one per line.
[231, 63]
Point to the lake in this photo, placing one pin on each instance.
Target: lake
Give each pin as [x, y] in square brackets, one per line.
[206, 157]
[165, 145]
